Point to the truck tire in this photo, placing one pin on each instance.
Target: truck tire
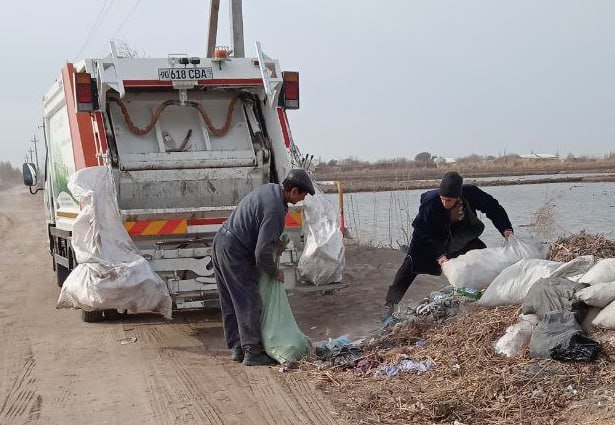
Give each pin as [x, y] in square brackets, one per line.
[113, 314]
[91, 316]
[61, 274]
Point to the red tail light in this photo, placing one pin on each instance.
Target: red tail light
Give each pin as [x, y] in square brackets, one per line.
[290, 90]
[85, 97]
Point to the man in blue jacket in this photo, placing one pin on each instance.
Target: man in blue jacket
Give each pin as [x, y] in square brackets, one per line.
[445, 227]
[244, 245]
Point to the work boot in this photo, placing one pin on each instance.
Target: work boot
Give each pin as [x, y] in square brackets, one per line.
[237, 354]
[256, 356]
[387, 311]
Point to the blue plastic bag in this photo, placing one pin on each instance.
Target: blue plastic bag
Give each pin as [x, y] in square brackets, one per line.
[282, 338]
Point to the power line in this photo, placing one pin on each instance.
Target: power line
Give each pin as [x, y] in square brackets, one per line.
[102, 14]
[126, 18]
[92, 29]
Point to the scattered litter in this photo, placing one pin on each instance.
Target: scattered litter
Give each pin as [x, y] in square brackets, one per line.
[475, 294]
[409, 365]
[388, 371]
[571, 390]
[406, 365]
[341, 351]
[421, 343]
[366, 365]
[127, 341]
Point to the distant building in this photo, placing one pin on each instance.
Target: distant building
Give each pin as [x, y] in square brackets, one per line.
[544, 156]
[441, 160]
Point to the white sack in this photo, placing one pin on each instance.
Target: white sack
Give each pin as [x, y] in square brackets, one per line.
[517, 336]
[322, 261]
[131, 287]
[99, 235]
[603, 271]
[111, 274]
[606, 318]
[512, 285]
[477, 268]
[598, 294]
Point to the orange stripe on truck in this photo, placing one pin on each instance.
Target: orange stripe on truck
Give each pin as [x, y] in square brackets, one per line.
[178, 227]
[156, 227]
[293, 219]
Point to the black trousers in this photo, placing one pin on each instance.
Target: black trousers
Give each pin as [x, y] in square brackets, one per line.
[240, 300]
[405, 274]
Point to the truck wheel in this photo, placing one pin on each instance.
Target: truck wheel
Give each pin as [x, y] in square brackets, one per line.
[91, 316]
[113, 314]
[61, 274]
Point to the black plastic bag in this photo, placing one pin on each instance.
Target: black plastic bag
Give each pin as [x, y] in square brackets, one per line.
[578, 348]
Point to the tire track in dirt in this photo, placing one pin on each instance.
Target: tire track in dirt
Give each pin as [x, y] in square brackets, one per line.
[22, 404]
[6, 222]
[187, 385]
[179, 397]
[293, 403]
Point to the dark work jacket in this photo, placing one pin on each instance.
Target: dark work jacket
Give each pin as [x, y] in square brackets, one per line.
[257, 223]
[432, 226]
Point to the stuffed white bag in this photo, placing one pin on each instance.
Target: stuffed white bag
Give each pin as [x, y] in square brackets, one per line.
[606, 318]
[477, 268]
[512, 285]
[603, 271]
[323, 260]
[111, 273]
[598, 294]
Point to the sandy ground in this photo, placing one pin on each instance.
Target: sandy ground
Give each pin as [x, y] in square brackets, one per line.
[55, 369]
[356, 310]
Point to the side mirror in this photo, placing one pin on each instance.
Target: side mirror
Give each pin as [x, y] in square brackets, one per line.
[29, 174]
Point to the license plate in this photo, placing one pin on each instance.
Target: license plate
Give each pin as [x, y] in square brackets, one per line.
[180, 74]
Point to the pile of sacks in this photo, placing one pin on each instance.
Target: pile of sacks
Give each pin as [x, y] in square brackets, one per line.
[559, 299]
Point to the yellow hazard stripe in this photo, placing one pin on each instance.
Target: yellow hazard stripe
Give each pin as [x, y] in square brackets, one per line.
[66, 214]
[294, 219]
[156, 227]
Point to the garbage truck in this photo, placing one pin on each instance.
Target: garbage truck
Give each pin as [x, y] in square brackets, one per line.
[185, 138]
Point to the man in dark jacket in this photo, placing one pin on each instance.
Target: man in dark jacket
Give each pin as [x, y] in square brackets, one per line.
[244, 245]
[445, 227]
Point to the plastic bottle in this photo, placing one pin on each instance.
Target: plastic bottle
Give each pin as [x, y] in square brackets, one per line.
[469, 292]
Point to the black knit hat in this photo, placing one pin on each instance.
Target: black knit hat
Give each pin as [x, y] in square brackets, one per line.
[450, 186]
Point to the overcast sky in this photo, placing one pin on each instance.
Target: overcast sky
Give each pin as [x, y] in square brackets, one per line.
[379, 79]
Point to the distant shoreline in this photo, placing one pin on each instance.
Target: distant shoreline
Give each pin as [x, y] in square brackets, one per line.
[380, 185]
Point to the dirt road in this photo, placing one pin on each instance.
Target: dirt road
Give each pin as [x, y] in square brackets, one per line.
[55, 369]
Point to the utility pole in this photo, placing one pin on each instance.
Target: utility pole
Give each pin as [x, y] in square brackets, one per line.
[46, 147]
[35, 152]
[213, 27]
[237, 29]
[31, 159]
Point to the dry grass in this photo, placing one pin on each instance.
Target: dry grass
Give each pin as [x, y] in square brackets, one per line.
[570, 247]
[471, 384]
[483, 389]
